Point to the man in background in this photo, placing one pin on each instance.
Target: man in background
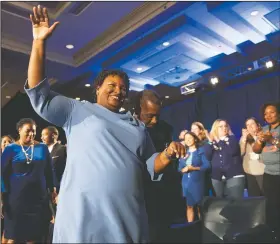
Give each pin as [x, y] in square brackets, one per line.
[58, 152]
[165, 195]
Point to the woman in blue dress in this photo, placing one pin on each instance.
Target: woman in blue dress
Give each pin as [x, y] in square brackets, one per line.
[27, 173]
[199, 129]
[5, 141]
[193, 169]
[101, 198]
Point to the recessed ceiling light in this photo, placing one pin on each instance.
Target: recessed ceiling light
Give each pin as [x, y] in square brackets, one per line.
[87, 85]
[77, 98]
[167, 97]
[8, 97]
[254, 13]
[166, 44]
[249, 68]
[269, 64]
[69, 46]
[139, 68]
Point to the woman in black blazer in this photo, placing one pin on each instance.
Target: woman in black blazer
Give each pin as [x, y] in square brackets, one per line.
[227, 172]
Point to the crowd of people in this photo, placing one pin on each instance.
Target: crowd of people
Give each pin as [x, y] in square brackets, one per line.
[30, 177]
[253, 162]
[124, 174]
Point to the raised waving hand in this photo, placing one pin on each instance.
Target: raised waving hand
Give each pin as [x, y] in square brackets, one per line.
[40, 23]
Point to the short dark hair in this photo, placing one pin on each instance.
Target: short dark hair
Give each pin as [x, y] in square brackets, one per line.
[146, 95]
[9, 136]
[53, 130]
[104, 74]
[274, 104]
[23, 122]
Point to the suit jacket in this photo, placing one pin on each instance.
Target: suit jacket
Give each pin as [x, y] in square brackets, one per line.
[225, 158]
[161, 135]
[59, 156]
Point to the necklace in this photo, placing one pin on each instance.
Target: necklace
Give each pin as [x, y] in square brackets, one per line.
[29, 158]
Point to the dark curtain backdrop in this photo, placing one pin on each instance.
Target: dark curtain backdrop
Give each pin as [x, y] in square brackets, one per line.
[235, 104]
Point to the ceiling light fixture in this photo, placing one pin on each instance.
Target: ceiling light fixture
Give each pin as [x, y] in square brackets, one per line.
[69, 46]
[87, 85]
[254, 13]
[139, 68]
[166, 44]
[167, 97]
[214, 81]
[8, 97]
[77, 98]
[269, 64]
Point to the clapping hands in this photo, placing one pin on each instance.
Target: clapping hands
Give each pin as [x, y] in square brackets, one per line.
[188, 168]
[265, 137]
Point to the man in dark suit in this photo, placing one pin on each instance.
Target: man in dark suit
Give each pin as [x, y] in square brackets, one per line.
[164, 195]
[58, 152]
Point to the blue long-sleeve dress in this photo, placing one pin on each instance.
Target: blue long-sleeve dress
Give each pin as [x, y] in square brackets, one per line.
[193, 181]
[26, 212]
[102, 190]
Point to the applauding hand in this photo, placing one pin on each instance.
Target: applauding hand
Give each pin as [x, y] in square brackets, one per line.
[185, 169]
[265, 137]
[245, 133]
[40, 23]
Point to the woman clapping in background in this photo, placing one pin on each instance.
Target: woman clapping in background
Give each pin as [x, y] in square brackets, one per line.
[252, 163]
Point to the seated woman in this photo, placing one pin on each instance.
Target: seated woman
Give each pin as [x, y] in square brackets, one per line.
[27, 173]
[193, 169]
[252, 162]
[226, 161]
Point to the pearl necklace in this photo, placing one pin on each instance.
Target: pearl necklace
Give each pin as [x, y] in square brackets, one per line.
[28, 158]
